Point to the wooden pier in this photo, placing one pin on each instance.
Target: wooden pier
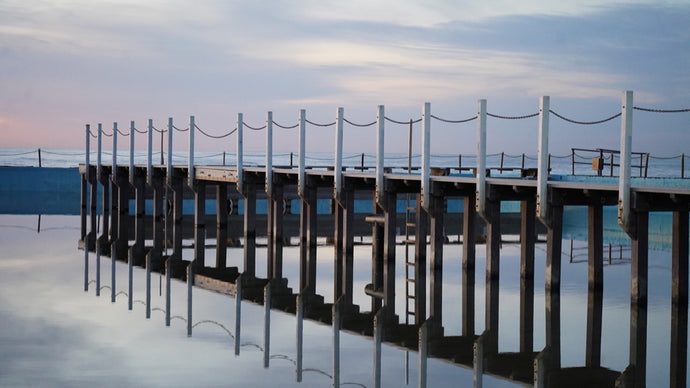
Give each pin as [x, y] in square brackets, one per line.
[125, 235]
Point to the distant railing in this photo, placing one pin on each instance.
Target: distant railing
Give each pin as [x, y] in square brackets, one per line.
[602, 159]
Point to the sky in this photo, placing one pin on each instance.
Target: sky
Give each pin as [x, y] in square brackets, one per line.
[66, 63]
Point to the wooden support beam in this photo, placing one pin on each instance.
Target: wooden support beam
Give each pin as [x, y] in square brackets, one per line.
[275, 270]
[124, 190]
[177, 217]
[308, 229]
[377, 243]
[468, 264]
[83, 196]
[436, 266]
[139, 214]
[199, 226]
[105, 219]
[338, 233]
[679, 300]
[528, 238]
[638, 294]
[250, 229]
[553, 285]
[348, 202]
[221, 225]
[595, 243]
[158, 217]
[389, 234]
[493, 245]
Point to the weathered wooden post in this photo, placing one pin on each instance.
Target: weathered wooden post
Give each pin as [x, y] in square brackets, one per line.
[426, 155]
[338, 163]
[543, 158]
[269, 153]
[114, 165]
[468, 264]
[625, 154]
[302, 151]
[380, 156]
[481, 158]
[149, 159]
[132, 131]
[169, 170]
[190, 159]
[527, 242]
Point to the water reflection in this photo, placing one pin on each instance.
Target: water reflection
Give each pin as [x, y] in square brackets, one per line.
[478, 352]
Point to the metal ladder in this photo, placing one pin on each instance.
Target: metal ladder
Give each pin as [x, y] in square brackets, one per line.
[410, 229]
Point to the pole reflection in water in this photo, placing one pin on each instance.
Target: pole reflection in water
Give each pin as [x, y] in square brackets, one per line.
[485, 363]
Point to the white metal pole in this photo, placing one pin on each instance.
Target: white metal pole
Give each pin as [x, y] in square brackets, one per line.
[626, 145]
[302, 151]
[269, 154]
[87, 161]
[132, 131]
[114, 173]
[240, 156]
[190, 168]
[543, 157]
[149, 163]
[481, 158]
[338, 167]
[98, 155]
[426, 156]
[380, 123]
[170, 148]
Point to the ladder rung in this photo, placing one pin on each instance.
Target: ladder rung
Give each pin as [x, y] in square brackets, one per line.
[410, 241]
[410, 313]
[410, 263]
[411, 224]
[410, 297]
[410, 280]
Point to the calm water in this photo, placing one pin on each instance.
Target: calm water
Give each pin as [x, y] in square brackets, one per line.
[55, 334]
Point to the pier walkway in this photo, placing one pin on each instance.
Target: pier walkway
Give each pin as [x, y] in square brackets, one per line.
[140, 237]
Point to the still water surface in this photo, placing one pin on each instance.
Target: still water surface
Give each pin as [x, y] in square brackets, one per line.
[55, 334]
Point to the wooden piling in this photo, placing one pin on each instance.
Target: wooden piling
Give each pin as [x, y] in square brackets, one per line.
[493, 245]
[421, 227]
[250, 229]
[468, 264]
[528, 213]
[389, 235]
[553, 285]
[308, 235]
[199, 226]
[221, 225]
[679, 299]
[595, 243]
[639, 262]
[435, 268]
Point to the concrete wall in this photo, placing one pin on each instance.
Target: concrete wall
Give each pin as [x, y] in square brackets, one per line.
[44, 190]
